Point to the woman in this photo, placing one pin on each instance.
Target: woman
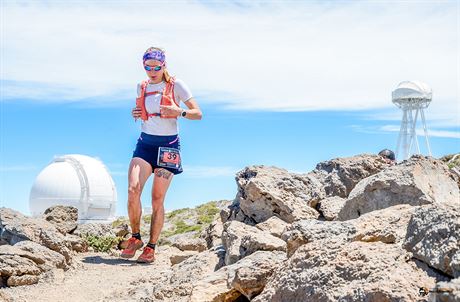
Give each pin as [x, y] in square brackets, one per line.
[158, 147]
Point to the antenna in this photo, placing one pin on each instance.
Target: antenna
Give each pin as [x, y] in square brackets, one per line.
[411, 97]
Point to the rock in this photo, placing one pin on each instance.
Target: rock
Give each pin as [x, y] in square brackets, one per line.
[63, 217]
[247, 276]
[340, 175]
[331, 270]
[241, 240]
[212, 234]
[234, 212]
[273, 225]
[19, 265]
[387, 225]
[433, 236]
[77, 243]
[15, 227]
[267, 191]
[252, 272]
[446, 291]
[305, 231]
[179, 282]
[95, 229]
[177, 256]
[190, 244]
[330, 207]
[50, 257]
[121, 230]
[22, 280]
[417, 181]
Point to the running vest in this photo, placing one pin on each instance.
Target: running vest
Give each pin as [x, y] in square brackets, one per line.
[167, 99]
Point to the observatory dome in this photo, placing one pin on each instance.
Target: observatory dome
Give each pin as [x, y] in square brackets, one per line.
[75, 180]
[412, 90]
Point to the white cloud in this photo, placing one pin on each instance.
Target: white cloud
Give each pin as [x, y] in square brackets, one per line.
[263, 56]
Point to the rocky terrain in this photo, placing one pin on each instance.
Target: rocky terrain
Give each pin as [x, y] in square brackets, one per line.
[353, 229]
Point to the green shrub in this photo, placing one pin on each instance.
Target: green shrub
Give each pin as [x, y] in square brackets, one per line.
[207, 212]
[101, 243]
[174, 213]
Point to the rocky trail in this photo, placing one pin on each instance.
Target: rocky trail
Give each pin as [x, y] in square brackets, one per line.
[352, 229]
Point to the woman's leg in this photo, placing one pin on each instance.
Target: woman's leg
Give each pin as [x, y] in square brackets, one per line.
[139, 172]
[161, 183]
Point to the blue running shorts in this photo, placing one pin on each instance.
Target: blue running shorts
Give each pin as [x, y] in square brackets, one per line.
[160, 151]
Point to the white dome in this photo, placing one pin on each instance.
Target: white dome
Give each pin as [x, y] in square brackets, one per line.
[411, 92]
[75, 180]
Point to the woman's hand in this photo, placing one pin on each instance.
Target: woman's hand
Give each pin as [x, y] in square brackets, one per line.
[172, 110]
[136, 112]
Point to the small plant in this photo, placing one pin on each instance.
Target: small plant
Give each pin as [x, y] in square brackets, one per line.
[147, 218]
[101, 243]
[119, 221]
[174, 213]
[207, 212]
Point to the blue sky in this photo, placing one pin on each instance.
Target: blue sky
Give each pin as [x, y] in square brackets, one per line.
[279, 84]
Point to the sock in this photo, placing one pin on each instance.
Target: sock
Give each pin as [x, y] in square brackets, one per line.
[151, 245]
[136, 235]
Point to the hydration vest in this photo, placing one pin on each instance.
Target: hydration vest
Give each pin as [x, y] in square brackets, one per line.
[167, 99]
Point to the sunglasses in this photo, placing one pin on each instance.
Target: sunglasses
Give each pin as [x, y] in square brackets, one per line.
[156, 68]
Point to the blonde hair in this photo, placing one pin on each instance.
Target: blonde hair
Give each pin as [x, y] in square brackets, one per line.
[166, 75]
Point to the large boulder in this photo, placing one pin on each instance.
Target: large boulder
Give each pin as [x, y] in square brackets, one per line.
[305, 231]
[267, 191]
[241, 240]
[15, 227]
[387, 225]
[417, 181]
[63, 217]
[433, 236]
[95, 229]
[331, 270]
[340, 175]
[246, 277]
[48, 257]
[179, 282]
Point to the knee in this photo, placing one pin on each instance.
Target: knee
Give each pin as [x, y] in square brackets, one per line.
[157, 205]
[134, 190]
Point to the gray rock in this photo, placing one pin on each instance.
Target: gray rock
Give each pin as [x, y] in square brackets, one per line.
[340, 175]
[241, 240]
[433, 236]
[387, 225]
[417, 181]
[332, 270]
[95, 229]
[267, 191]
[212, 233]
[190, 244]
[15, 227]
[273, 225]
[330, 207]
[305, 231]
[63, 217]
[247, 276]
[50, 257]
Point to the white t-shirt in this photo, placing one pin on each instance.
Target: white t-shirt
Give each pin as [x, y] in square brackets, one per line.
[162, 126]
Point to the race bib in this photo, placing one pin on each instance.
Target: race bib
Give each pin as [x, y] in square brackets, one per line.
[169, 158]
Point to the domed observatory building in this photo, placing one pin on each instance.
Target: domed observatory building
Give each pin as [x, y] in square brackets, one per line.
[75, 180]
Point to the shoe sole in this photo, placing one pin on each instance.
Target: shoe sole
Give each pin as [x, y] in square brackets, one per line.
[144, 261]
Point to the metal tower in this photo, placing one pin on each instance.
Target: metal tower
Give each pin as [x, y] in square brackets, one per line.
[411, 97]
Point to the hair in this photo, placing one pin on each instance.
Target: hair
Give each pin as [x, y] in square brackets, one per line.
[166, 75]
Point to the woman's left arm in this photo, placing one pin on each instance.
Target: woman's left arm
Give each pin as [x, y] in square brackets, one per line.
[193, 112]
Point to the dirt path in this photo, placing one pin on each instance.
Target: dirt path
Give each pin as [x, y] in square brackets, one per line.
[93, 277]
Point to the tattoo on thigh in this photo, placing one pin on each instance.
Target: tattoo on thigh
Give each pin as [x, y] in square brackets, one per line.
[163, 173]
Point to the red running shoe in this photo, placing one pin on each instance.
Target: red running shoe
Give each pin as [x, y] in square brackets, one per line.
[133, 245]
[147, 256]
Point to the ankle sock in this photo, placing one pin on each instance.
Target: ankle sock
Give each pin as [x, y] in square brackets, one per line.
[151, 245]
[136, 235]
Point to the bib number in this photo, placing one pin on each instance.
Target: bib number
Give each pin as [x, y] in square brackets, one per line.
[169, 158]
